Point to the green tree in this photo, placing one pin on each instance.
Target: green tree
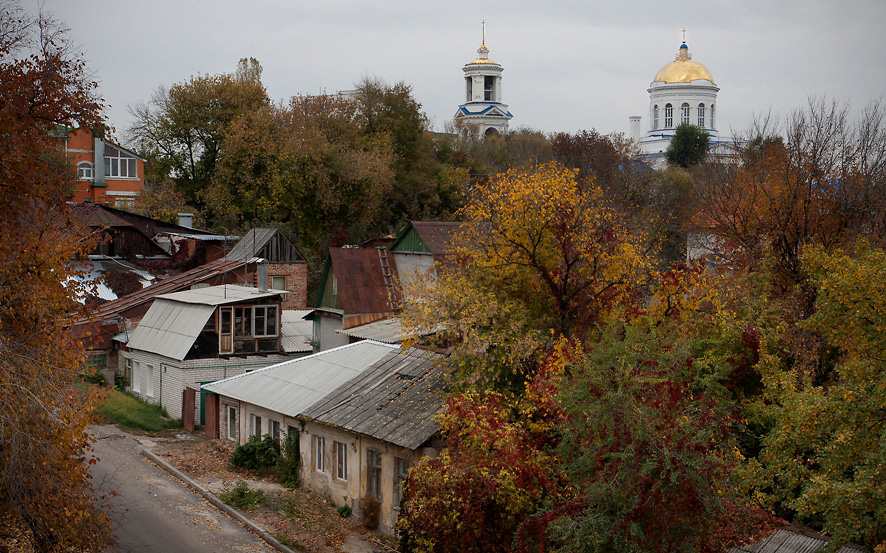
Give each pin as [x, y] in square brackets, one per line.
[44, 442]
[688, 146]
[182, 130]
[825, 458]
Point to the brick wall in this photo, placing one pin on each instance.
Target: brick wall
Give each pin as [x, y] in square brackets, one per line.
[296, 275]
[172, 376]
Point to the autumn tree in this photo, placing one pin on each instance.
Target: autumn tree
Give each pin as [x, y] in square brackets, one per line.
[44, 445]
[490, 477]
[688, 147]
[820, 179]
[181, 130]
[824, 460]
[540, 255]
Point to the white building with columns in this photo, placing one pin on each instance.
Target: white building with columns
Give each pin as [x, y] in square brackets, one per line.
[683, 91]
[483, 109]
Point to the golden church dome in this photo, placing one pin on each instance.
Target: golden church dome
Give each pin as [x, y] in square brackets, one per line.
[683, 69]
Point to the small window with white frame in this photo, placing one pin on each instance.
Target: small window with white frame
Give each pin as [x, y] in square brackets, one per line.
[85, 171]
[232, 423]
[265, 320]
[120, 164]
[701, 120]
[136, 377]
[278, 283]
[669, 115]
[684, 113]
[341, 460]
[319, 453]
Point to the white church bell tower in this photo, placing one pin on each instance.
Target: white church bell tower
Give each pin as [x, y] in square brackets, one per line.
[483, 108]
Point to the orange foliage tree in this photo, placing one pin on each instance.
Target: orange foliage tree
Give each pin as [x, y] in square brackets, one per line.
[44, 475]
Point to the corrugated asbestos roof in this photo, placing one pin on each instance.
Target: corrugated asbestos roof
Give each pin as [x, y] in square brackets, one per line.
[220, 295]
[786, 541]
[395, 400]
[170, 327]
[293, 386]
[389, 331]
[361, 285]
[295, 331]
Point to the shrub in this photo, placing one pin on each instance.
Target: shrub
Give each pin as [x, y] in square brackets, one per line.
[257, 453]
[370, 508]
[344, 511]
[289, 464]
[242, 497]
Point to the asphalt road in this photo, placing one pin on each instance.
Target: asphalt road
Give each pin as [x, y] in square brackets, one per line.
[154, 511]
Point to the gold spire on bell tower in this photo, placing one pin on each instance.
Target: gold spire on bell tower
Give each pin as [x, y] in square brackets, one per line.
[483, 51]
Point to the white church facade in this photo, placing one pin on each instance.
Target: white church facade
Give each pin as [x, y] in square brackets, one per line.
[683, 91]
[483, 109]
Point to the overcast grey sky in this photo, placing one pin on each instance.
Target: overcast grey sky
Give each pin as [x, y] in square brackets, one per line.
[568, 65]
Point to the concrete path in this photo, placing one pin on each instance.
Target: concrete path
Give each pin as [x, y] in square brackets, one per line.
[155, 512]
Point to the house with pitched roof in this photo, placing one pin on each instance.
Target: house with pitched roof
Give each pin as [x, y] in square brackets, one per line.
[286, 267]
[421, 246]
[358, 286]
[107, 173]
[363, 413]
[199, 336]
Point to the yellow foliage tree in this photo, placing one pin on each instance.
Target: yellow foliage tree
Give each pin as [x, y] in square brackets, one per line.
[540, 254]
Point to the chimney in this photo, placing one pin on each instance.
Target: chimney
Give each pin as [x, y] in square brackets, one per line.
[262, 277]
[186, 220]
[635, 128]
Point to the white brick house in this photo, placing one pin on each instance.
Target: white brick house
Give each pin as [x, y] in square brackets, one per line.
[198, 336]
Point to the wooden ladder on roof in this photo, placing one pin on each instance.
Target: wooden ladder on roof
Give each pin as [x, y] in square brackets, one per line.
[388, 276]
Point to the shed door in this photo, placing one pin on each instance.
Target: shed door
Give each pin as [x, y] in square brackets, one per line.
[225, 330]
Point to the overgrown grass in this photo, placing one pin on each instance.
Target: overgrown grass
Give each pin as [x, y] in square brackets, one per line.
[242, 497]
[127, 411]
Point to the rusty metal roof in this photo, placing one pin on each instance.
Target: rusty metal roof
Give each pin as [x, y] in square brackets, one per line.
[361, 284]
[437, 236]
[182, 281]
[96, 216]
[396, 400]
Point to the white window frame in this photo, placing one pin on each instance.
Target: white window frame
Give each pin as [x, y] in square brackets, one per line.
[85, 171]
[684, 113]
[255, 317]
[277, 279]
[232, 423]
[319, 453]
[113, 167]
[373, 473]
[713, 124]
[136, 377]
[341, 461]
[655, 117]
[149, 380]
[399, 479]
[701, 116]
[669, 115]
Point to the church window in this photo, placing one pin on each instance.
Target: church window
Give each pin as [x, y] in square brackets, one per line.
[489, 88]
[713, 125]
[469, 81]
[655, 116]
[701, 115]
[684, 113]
[669, 115]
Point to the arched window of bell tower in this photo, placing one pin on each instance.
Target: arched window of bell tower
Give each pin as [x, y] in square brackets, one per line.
[669, 115]
[684, 113]
[655, 116]
[701, 115]
[713, 125]
[469, 81]
[491, 131]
